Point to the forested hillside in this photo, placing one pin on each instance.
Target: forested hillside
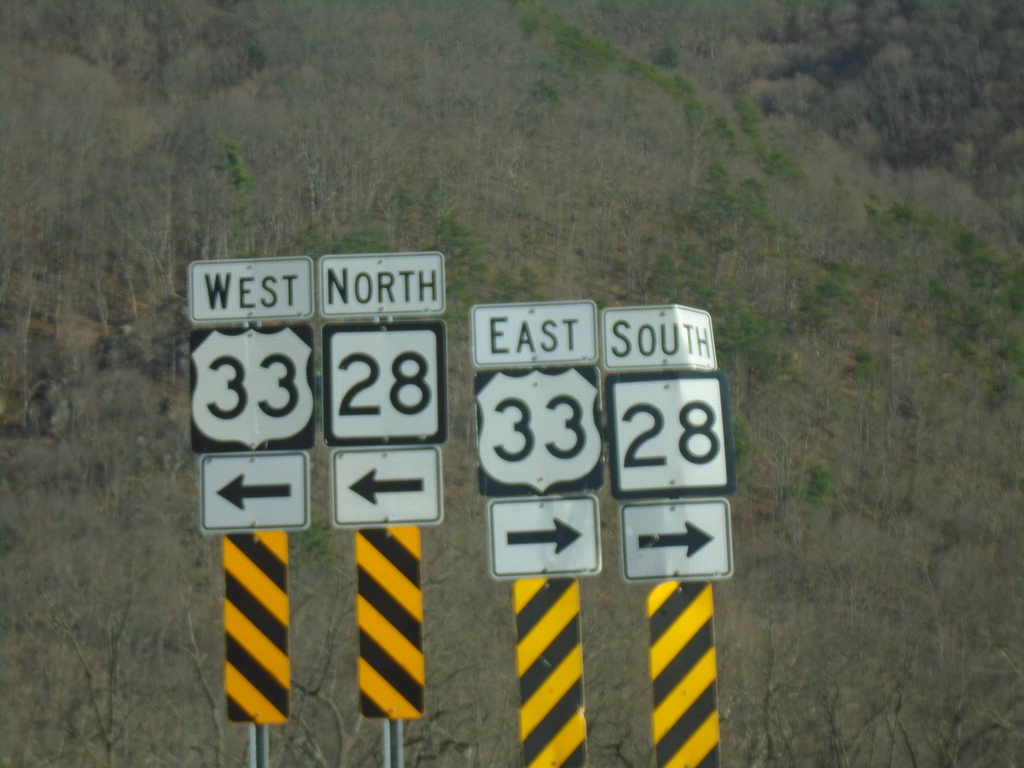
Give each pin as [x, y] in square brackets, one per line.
[840, 184]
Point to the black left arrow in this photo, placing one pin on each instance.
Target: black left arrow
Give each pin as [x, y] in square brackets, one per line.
[693, 540]
[368, 486]
[561, 536]
[236, 492]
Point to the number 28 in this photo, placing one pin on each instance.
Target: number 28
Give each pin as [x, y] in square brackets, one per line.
[691, 448]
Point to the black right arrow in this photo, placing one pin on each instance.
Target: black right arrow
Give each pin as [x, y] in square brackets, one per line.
[368, 486]
[236, 492]
[561, 536]
[693, 540]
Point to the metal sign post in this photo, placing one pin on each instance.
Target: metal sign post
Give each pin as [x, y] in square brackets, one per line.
[252, 419]
[393, 744]
[386, 410]
[260, 746]
[669, 437]
[539, 436]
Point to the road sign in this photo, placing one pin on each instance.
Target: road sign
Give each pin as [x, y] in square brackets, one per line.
[683, 669]
[385, 384]
[257, 674]
[389, 612]
[538, 431]
[377, 284]
[252, 389]
[549, 662]
[243, 492]
[398, 486]
[546, 333]
[668, 336]
[278, 289]
[544, 537]
[670, 434]
[684, 540]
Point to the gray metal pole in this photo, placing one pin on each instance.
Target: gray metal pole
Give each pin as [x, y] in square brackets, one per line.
[395, 734]
[252, 745]
[393, 744]
[262, 746]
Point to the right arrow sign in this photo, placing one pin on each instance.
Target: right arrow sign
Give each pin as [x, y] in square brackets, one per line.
[561, 536]
[694, 539]
[682, 541]
[544, 537]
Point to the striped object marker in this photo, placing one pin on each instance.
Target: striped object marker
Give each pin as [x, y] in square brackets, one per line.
[257, 673]
[549, 662]
[683, 674]
[389, 612]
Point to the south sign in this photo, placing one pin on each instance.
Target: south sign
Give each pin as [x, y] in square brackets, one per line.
[661, 337]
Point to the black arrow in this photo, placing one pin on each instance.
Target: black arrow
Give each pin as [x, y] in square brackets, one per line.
[237, 492]
[561, 536]
[693, 540]
[368, 486]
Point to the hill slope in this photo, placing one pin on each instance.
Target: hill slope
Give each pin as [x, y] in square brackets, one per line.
[858, 248]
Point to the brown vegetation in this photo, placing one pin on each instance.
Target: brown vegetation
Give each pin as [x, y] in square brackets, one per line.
[839, 183]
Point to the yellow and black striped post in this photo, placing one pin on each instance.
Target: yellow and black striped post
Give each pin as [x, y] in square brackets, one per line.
[683, 673]
[389, 612]
[549, 662]
[257, 674]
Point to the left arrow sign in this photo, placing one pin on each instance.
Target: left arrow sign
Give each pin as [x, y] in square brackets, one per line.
[397, 486]
[237, 491]
[368, 486]
[249, 491]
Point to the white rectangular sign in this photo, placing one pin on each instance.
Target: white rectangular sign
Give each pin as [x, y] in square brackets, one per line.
[670, 434]
[668, 336]
[239, 290]
[399, 486]
[546, 333]
[544, 537]
[385, 383]
[685, 540]
[375, 284]
[244, 492]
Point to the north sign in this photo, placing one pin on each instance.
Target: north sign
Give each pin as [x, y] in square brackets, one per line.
[538, 431]
[544, 537]
[670, 434]
[252, 389]
[382, 284]
[385, 383]
[235, 290]
[245, 492]
[668, 336]
[399, 486]
[546, 333]
[684, 541]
